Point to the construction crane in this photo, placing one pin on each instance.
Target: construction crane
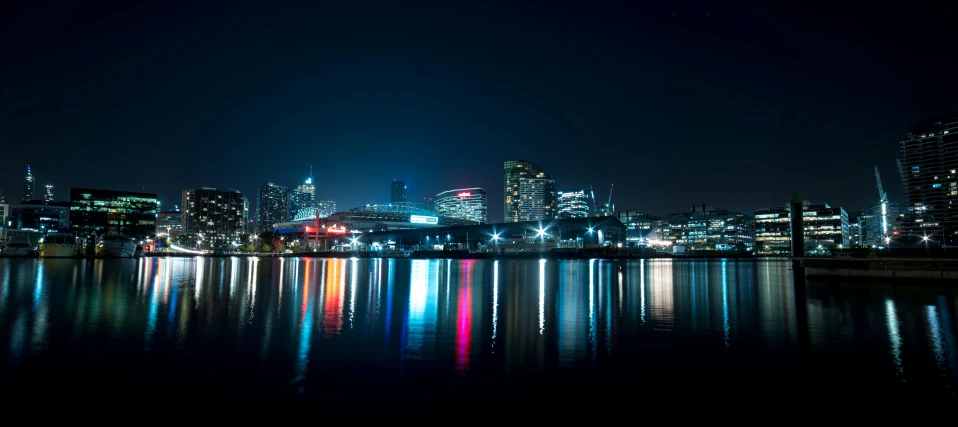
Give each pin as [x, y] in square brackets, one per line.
[883, 199]
[608, 205]
[592, 194]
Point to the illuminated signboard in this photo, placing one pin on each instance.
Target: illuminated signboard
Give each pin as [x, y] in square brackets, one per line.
[465, 194]
[336, 230]
[420, 219]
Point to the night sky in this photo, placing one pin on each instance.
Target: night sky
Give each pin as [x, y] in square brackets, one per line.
[677, 103]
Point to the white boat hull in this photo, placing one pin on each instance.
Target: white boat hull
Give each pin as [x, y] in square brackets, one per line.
[116, 249]
[58, 250]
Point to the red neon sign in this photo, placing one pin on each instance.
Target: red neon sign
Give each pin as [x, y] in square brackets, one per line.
[465, 194]
[335, 230]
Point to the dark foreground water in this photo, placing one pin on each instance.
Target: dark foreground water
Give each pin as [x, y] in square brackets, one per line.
[359, 331]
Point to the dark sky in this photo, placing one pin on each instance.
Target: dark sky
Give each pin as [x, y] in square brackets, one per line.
[677, 103]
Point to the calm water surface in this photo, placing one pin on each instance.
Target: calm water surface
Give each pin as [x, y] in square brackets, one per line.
[400, 330]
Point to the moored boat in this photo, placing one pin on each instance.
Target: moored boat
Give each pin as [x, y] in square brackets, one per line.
[115, 246]
[58, 245]
[19, 246]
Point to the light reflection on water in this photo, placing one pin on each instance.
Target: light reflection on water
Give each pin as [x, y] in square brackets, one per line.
[296, 321]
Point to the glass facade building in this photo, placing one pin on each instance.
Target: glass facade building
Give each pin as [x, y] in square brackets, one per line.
[216, 215]
[42, 217]
[537, 199]
[272, 206]
[823, 226]
[107, 211]
[928, 164]
[708, 228]
[515, 171]
[465, 203]
[48, 194]
[573, 204]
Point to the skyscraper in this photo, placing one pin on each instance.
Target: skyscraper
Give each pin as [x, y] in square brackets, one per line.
[537, 199]
[307, 187]
[928, 164]
[466, 203]
[217, 215]
[515, 170]
[326, 208]
[28, 186]
[398, 192]
[272, 206]
[48, 195]
[573, 204]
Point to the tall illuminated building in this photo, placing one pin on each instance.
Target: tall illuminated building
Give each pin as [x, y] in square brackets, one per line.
[28, 186]
[465, 203]
[537, 199]
[97, 212]
[928, 164]
[307, 187]
[272, 206]
[217, 215]
[48, 194]
[398, 192]
[514, 172]
[573, 204]
[302, 197]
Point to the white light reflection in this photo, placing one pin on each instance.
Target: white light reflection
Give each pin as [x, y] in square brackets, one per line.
[542, 296]
[234, 265]
[423, 310]
[620, 291]
[891, 317]
[592, 306]
[642, 290]
[254, 275]
[725, 325]
[198, 286]
[495, 299]
[936, 343]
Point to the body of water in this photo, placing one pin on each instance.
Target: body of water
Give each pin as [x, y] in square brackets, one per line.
[352, 330]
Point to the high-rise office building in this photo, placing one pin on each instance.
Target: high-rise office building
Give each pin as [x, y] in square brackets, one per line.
[272, 206]
[823, 226]
[398, 192]
[109, 211]
[48, 194]
[928, 164]
[871, 230]
[326, 208]
[28, 186]
[515, 170]
[573, 204]
[537, 199]
[302, 197]
[465, 203]
[216, 215]
[307, 187]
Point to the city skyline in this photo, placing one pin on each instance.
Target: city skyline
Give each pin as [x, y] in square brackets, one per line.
[649, 100]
